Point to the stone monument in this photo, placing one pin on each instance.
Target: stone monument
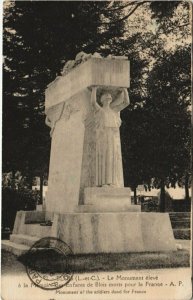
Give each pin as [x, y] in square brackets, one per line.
[87, 202]
[82, 110]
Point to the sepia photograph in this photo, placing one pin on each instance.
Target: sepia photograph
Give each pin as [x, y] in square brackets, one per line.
[96, 150]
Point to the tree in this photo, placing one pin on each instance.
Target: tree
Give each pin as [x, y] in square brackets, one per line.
[138, 127]
[168, 135]
[38, 40]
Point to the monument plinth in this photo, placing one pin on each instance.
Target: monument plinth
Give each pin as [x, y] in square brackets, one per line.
[87, 202]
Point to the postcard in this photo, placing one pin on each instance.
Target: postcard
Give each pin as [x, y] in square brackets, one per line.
[96, 143]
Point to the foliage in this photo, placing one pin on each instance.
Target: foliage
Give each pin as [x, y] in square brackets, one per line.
[157, 123]
[168, 137]
[15, 200]
[168, 134]
[38, 39]
[16, 195]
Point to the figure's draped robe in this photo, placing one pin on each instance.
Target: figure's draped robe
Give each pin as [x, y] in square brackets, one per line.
[109, 169]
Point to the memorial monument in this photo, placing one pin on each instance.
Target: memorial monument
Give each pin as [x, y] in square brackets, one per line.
[87, 203]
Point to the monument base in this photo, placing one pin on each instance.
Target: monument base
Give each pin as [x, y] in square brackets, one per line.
[107, 199]
[114, 232]
[118, 232]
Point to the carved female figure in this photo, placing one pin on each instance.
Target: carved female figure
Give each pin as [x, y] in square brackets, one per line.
[109, 171]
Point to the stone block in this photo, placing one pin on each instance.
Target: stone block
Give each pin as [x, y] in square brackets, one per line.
[109, 195]
[95, 71]
[115, 232]
[157, 232]
[31, 229]
[107, 199]
[103, 232]
[100, 232]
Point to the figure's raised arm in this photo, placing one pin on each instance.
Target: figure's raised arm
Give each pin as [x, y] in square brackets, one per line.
[94, 98]
[121, 101]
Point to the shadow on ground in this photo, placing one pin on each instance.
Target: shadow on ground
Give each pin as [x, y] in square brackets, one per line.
[50, 261]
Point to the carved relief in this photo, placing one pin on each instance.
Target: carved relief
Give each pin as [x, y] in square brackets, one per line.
[58, 112]
[53, 115]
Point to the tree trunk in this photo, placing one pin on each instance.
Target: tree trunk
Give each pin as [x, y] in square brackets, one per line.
[41, 188]
[162, 196]
[135, 195]
[187, 196]
[13, 180]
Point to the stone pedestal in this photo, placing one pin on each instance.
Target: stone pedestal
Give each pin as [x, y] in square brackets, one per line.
[103, 232]
[115, 232]
[107, 199]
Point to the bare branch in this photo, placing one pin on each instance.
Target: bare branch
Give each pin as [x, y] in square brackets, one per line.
[124, 6]
[185, 24]
[128, 15]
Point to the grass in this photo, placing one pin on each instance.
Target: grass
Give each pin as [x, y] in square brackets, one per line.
[129, 261]
[108, 261]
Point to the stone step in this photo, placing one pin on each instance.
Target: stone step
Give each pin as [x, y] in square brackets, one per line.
[183, 234]
[180, 224]
[179, 219]
[180, 215]
[17, 249]
[23, 239]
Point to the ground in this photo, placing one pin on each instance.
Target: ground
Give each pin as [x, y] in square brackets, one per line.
[111, 261]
